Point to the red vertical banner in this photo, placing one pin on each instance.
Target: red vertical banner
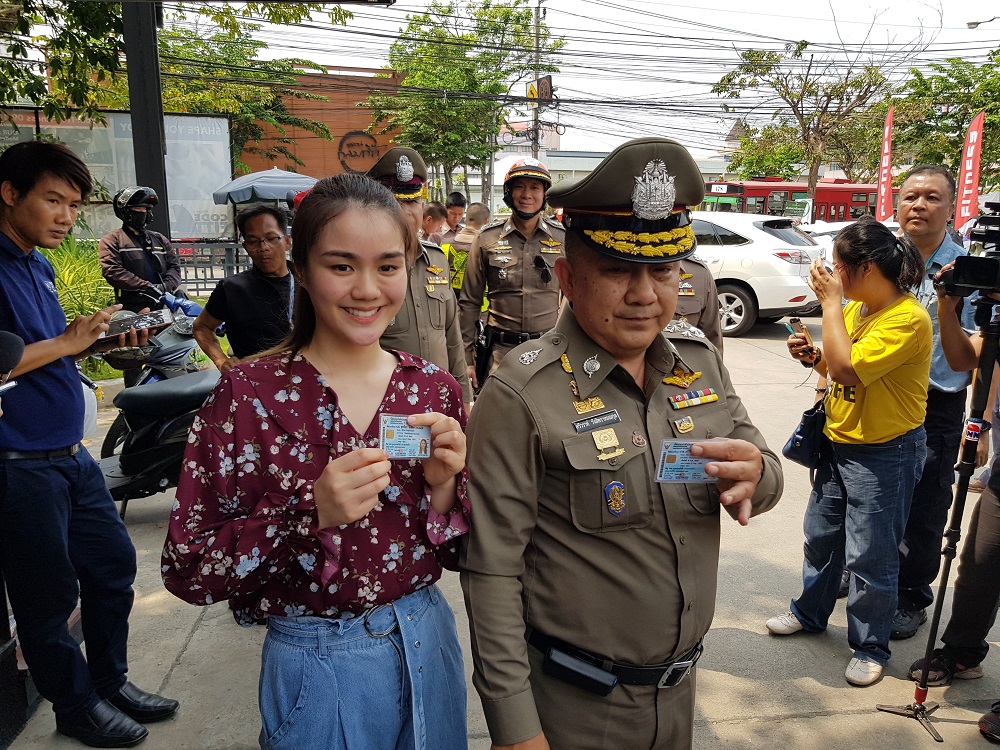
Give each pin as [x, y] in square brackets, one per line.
[968, 179]
[883, 209]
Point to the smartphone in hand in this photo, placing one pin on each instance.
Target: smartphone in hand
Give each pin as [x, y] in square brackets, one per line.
[799, 327]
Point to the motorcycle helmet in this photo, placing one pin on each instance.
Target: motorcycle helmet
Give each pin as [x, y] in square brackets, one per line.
[527, 167]
[127, 199]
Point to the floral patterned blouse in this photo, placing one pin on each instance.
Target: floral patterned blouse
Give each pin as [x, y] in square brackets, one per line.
[244, 527]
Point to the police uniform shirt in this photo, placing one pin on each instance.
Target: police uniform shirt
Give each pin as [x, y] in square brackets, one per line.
[698, 300]
[601, 556]
[523, 290]
[427, 323]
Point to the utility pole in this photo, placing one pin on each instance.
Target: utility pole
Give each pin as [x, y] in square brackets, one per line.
[536, 135]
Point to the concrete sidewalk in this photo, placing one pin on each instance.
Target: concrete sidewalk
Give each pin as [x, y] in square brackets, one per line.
[754, 690]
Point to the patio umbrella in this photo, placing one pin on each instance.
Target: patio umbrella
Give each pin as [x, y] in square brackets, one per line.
[270, 185]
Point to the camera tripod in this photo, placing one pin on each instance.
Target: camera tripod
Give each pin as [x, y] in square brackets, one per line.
[976, 429]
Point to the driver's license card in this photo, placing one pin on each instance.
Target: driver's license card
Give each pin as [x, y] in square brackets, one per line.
[676, 463]
[401, 440]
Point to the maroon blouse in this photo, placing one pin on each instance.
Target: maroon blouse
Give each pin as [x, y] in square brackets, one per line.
[244, 526]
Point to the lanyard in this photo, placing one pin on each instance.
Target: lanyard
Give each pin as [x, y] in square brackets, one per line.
[291, 294]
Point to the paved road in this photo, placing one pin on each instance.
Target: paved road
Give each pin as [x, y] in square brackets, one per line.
[754, 690]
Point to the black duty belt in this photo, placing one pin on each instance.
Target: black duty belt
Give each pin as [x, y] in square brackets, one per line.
[23, 455]
[661, 675]
[509, 337]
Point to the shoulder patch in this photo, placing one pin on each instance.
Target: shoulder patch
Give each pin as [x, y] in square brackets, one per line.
[523, 362]
[430, 245]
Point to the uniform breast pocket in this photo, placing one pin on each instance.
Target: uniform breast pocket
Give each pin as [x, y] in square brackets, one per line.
[612, 494]
[437, 303]
[688, 306]
[544, 277]
[504, 270]
[704, 497]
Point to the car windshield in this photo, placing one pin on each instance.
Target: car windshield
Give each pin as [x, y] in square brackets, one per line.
[785, 231]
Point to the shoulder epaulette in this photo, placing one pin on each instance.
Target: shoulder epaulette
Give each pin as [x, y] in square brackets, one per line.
[494, 224]
[681, 330]
[553, 221]
[526, 360]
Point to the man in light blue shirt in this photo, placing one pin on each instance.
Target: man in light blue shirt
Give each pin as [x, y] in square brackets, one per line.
[926, 203]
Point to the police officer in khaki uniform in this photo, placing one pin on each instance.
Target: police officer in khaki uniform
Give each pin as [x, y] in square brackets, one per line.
[589, 584]
[427, 324]
[513, 260]
[697, 303]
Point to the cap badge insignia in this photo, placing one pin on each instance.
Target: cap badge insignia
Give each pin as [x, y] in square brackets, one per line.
[684, 425]
[681, 378]
[604, 440]
[591, 365]
[614, 493]
[529, 357]
[654, 194]
[404, 169]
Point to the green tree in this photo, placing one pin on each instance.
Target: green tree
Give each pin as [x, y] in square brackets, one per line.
[773, 150]
[217, 71]
[81, 43]
[950, 98]
[857, 145]
[462, 61]
[818, 95]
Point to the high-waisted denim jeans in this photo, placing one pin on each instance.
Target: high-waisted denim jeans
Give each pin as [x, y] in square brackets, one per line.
[857, 509]
[393, 680]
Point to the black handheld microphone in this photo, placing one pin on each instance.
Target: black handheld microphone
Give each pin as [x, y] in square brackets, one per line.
[11, 349]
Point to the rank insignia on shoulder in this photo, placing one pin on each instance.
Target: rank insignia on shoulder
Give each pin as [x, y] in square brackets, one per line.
[529, 357]
[614, 495]
[681, 378]
[683, 327]
[684, 425]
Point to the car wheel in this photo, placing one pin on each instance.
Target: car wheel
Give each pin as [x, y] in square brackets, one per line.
[737, 310]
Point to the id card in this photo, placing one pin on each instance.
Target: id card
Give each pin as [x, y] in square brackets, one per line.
[401, 440]
[676, 463]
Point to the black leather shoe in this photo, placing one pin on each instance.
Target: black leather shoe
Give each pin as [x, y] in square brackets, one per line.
[103, 726]
[142, 706]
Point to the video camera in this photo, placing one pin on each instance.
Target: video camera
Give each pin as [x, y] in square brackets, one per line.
[980, 273]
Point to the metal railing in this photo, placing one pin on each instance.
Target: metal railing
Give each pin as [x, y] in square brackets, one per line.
[205, 263]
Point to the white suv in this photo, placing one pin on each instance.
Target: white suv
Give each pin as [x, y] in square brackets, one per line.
[760, 265]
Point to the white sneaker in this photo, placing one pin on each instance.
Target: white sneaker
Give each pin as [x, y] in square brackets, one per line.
[784, 624]
[862, 672]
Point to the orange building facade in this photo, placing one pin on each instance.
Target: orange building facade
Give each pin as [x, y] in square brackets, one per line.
[352, 148]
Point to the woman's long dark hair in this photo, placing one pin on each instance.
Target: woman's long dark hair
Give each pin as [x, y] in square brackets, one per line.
[870, 241]
[328, 199]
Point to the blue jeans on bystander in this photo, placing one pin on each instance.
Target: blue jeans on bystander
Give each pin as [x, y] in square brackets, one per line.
[858, 509]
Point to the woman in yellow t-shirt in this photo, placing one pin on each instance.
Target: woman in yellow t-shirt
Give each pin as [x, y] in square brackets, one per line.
[876, 355]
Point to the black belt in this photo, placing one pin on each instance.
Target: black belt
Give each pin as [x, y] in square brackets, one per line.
[508, 337]
[661, 675]
[22, 455]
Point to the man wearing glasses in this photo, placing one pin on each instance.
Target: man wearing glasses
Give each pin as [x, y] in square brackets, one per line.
[255, 305]
[513, 259]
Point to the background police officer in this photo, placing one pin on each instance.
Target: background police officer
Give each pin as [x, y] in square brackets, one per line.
[514, 260]
[427, 323]
[698, 301]
[589, 585]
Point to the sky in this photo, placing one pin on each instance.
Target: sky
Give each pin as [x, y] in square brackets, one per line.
[632, 68]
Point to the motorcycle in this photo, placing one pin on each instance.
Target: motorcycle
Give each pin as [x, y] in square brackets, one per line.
[157, 417]
[171, 353]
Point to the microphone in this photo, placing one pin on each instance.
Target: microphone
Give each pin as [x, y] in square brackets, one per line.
[11, 349]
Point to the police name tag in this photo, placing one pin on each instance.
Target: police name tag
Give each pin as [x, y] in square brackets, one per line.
[676, 463]
[401, 440]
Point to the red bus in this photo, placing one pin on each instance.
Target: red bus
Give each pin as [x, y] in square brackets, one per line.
[836, 198]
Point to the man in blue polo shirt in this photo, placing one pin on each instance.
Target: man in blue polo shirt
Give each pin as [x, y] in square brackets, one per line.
[60, 534]
[926, 203]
